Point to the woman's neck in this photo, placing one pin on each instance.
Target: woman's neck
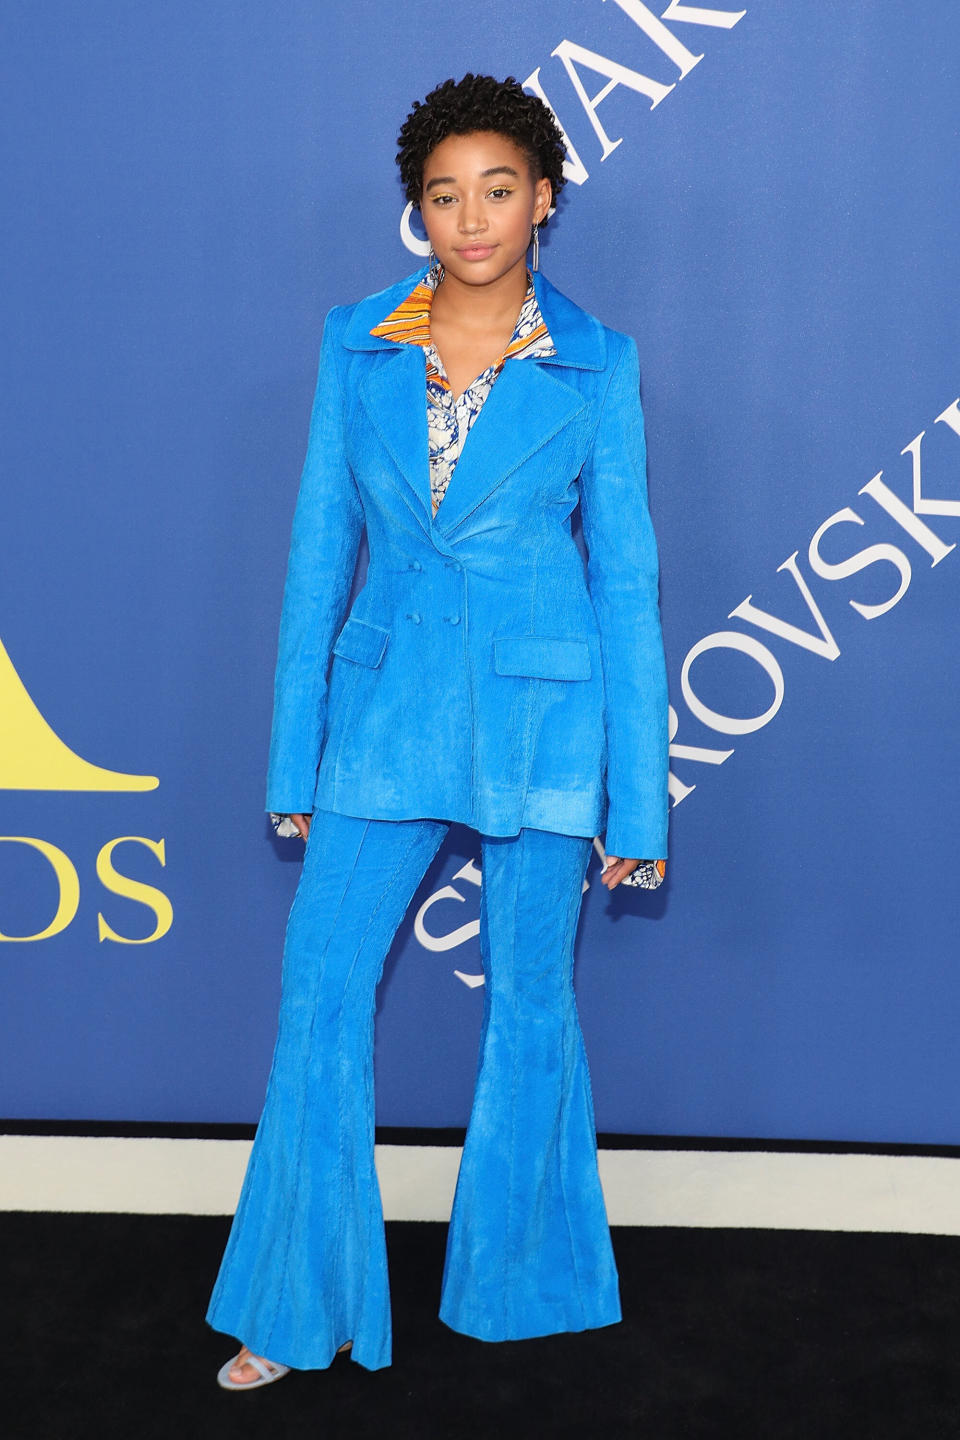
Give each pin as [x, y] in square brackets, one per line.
[480, 308]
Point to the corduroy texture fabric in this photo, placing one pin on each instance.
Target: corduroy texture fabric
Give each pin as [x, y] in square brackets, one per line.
[552, 677]
[529, 1249]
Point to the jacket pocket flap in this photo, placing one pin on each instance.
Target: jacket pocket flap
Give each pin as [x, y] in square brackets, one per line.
[541, 656]
[362, 642]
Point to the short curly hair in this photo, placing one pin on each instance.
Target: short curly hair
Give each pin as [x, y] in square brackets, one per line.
[479, 102]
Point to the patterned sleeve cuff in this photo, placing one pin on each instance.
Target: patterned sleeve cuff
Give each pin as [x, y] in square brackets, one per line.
[284, 826]
[648, 874]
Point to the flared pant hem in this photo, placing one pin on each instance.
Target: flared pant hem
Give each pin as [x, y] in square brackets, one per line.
[299, 1360]
[479, 1330]
[529, 1247]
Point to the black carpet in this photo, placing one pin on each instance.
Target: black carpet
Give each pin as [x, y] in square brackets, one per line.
[754, 1334]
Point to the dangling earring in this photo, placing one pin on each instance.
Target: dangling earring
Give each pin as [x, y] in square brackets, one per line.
[536, 245]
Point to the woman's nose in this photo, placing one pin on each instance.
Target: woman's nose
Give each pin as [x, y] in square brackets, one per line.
[471, 219]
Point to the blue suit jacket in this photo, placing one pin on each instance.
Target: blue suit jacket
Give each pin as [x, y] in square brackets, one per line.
[484, 674]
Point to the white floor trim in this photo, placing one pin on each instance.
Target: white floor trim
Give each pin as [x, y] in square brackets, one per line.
[753, 1189]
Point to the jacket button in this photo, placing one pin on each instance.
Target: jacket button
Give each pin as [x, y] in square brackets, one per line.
[414, 565]
[454, 619]
[414, 615]
[453, 564]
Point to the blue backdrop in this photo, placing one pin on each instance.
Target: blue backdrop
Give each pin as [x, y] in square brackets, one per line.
[187, 190]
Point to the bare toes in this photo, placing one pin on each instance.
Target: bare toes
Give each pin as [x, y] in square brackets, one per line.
[242, 1372]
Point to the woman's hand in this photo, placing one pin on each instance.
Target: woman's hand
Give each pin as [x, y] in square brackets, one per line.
[302, 823]
[617, 870]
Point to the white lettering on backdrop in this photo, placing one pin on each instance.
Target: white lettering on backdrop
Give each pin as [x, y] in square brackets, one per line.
[574, 56]
[822, 643]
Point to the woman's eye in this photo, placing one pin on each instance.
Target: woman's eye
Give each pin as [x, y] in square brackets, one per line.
[500, 190]
[441, 199]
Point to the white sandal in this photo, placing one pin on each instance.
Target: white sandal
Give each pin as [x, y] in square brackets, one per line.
[268, 1373]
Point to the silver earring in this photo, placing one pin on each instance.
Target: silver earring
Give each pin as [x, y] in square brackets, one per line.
[536, 245]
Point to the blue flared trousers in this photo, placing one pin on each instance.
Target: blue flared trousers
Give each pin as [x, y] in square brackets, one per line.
[528, 1246]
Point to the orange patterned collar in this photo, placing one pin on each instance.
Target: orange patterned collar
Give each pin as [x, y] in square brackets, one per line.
[409, 324]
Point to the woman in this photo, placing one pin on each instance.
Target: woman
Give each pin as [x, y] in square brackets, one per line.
[483, 676]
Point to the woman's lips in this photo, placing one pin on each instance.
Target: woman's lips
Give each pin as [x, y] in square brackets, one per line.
[476, 252]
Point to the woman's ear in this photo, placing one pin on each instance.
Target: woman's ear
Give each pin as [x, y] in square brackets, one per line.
[543, 193]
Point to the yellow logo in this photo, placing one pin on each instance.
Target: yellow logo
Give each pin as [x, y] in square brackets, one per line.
[32, 755]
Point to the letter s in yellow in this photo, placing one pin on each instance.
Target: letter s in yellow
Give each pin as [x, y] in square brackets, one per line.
[147, 895]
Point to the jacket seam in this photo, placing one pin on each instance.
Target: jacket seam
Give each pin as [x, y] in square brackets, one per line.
[603, 402]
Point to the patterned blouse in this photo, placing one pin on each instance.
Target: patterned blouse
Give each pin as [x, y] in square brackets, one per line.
[449, 420]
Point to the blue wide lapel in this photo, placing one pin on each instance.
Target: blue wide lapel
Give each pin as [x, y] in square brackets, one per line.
[525, 408]
[392, 391]
[394, 397]
[528, 404]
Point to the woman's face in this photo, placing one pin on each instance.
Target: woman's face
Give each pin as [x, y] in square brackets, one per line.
[479, 203]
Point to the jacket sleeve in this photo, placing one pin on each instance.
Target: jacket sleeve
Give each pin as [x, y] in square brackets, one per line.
[623, 577]
[327, 526]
